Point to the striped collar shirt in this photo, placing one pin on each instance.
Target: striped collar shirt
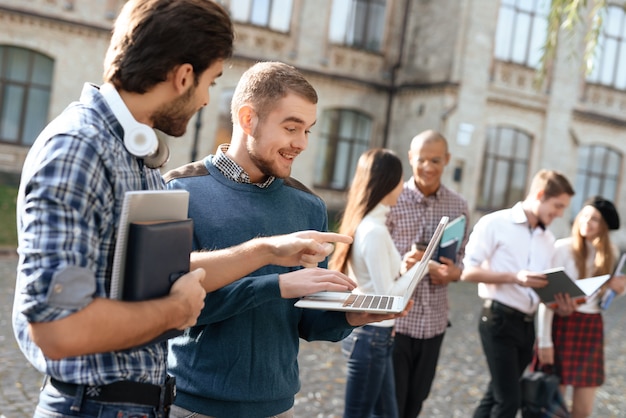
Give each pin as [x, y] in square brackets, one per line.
[233, 171]
[414, 219]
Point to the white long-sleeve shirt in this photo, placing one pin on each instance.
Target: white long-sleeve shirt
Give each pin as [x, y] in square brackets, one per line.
[503, 241]
[374, 262]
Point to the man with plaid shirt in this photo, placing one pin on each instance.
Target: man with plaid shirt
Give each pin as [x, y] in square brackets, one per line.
[421, 205]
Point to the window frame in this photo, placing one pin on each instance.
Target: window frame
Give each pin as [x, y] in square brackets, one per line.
[601, 59]
[272, 6]
[492, 158]
[370, 40]
[535, 38]
[328, 163]
[588, 174]
[26, 129]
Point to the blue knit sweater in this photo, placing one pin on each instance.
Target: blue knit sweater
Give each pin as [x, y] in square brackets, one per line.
[240, 360]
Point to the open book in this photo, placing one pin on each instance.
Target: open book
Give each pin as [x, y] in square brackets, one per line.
[560, 282]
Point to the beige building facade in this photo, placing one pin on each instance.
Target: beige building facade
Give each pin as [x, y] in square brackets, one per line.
[384, 70]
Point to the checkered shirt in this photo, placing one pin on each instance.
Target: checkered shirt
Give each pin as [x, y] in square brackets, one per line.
[69, 204]
[233, 171]
[414, 219]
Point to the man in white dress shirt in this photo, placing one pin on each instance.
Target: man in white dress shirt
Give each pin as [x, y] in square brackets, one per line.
[505, 254]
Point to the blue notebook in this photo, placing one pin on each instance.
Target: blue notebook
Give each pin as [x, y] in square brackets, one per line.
[451, 239]
[610, 294]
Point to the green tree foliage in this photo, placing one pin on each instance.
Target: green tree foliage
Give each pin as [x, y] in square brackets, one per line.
[8, 229]
[564, 18]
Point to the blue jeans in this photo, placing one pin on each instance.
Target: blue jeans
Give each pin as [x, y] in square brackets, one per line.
[54, 404]
[370, 389]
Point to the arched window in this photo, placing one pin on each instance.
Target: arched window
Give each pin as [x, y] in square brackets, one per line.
[505, 168]
[25, 85]
[598, 173]
[345, 135]
[521, 31]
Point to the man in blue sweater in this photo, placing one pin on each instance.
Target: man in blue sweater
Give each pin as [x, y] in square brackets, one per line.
[240, 360]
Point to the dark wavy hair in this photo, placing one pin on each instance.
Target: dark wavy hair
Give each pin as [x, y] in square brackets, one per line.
[152, 37]
[378, 172]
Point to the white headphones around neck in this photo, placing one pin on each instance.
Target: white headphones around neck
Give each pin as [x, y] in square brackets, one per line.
[139, 139]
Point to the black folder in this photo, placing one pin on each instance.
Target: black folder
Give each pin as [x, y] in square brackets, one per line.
[157, 254]
[448, 250]
[143, 206]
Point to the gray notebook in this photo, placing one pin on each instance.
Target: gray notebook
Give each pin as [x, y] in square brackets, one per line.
[144, 206]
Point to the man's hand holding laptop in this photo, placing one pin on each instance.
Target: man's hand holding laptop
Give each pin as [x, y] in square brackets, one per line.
[394, 303]
[307, 281]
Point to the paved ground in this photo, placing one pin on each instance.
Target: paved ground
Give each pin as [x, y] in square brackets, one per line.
[459, 384]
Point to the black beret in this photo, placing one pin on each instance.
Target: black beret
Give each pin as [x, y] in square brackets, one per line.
[606, 209]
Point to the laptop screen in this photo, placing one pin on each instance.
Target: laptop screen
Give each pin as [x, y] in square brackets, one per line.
[422, 267]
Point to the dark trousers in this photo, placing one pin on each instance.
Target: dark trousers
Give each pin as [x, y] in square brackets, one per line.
[414, 364]
[507, 338]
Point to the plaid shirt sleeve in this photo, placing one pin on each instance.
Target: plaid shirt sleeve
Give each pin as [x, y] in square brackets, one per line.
[62, 204]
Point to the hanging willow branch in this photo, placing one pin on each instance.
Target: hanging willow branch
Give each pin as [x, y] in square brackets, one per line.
[567, 15]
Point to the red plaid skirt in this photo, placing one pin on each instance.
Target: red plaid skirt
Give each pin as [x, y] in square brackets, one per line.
[579, 349]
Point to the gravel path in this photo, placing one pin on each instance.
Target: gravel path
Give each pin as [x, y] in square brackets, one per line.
[459, 384]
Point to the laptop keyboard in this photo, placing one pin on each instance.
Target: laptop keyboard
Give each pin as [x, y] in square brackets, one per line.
[369, 302]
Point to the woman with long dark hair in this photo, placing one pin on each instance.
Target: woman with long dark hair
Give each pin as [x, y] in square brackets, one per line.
[373, 261]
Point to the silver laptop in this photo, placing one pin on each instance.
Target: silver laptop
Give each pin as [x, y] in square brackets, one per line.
[356, 302]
